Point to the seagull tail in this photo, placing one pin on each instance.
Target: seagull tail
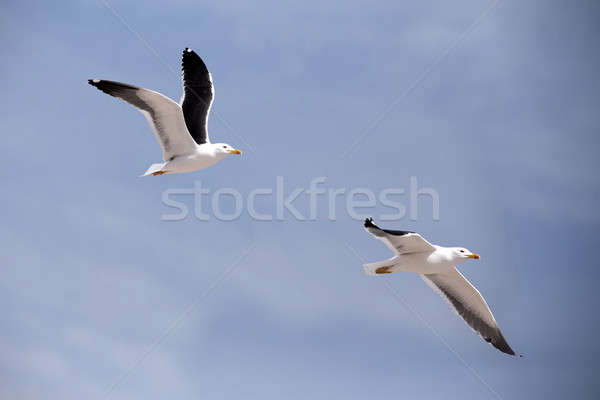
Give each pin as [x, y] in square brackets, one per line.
[380, 267]
[154, 168]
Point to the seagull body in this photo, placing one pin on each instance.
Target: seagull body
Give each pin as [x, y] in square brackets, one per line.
[437, 266]
[180, 129]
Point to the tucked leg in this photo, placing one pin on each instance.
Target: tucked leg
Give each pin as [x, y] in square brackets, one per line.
[383, 270]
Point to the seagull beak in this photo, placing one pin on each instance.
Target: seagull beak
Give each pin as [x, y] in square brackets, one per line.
[475, 256]
[235, 151]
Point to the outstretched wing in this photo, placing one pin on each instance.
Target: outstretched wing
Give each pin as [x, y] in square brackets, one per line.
[467, 302]
[163, 114]
[400, 242]
[198, 94]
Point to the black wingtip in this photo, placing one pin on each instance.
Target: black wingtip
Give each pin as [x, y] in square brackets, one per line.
[501, 344]
[369, 223]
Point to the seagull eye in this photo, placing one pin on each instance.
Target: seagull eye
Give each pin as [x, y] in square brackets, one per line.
[462, 251]
[224, 146]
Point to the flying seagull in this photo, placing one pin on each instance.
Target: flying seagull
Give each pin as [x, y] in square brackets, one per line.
[436, 265]
[179, 128]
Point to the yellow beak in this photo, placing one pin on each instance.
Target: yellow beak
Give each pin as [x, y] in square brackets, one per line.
[475, 256]
[235, 151]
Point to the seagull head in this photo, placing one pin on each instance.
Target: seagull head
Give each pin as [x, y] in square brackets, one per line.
[225, 149]
[462, 254]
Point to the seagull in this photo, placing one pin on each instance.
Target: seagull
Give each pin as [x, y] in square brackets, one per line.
[437, 266]
[180, 129]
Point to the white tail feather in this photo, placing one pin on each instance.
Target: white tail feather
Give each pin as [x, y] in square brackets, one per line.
[154, 168]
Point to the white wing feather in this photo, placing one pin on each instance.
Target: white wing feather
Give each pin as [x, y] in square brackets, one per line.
[163, 114]
[400, 242]
[466, 301]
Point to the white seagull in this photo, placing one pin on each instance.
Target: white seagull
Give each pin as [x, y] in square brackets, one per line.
[179, 128]
[436, 265]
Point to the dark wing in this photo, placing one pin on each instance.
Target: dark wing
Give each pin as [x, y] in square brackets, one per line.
[467, 302]
[198, 94]
[400, 242]
[163, 115]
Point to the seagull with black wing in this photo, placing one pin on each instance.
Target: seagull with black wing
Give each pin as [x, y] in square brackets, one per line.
[180, 129]
[437, 266]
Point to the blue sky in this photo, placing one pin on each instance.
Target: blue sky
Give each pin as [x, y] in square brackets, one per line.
[505, 128]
